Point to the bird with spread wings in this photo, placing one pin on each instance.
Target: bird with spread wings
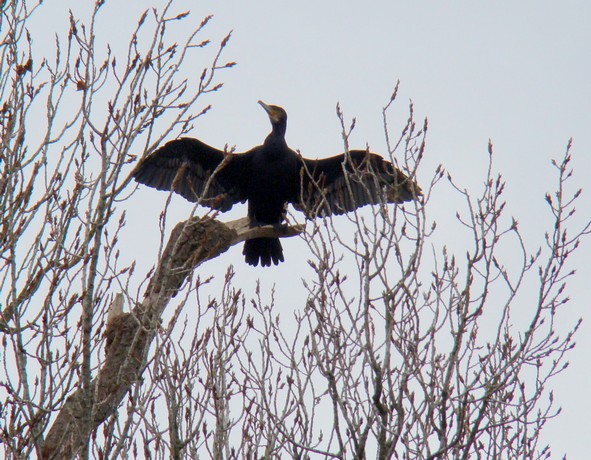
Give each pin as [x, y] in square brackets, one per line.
[271, 175]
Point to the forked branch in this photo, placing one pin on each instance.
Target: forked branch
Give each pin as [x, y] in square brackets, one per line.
[129, 335]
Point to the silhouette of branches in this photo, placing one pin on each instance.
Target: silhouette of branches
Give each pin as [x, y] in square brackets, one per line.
[404, 347]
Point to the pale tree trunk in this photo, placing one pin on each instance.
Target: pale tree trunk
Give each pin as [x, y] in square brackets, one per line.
[129, 335]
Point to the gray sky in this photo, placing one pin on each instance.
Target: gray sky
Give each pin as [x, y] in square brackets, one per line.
[517, 72]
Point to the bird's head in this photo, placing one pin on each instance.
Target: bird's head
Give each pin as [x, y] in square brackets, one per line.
[277, 115]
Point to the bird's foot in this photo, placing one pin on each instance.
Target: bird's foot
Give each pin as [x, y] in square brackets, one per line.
[277, 226]
[252, 222]
[280, 227]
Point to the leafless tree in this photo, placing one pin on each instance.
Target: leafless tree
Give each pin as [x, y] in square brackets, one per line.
[70, 124]
[403, 349]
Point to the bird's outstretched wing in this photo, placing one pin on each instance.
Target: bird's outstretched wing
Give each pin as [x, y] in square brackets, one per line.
[345, 182]
[196, 171]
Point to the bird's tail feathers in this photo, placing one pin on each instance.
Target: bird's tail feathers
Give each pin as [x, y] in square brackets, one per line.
[266, 250]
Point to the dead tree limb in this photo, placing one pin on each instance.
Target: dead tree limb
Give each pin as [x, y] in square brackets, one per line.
[129, 335]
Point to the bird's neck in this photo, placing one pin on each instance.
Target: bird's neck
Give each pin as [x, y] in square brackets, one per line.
[275, 141]
[279, 129]
[277, 136]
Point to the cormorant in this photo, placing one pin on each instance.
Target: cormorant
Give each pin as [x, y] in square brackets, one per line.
[270, 176]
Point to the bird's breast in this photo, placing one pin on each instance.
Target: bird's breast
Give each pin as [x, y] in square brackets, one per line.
[272, 182]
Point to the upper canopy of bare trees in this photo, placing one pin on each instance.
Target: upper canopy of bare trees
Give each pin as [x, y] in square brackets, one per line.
[403, 349]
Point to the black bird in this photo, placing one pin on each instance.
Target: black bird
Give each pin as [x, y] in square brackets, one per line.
[270, 176]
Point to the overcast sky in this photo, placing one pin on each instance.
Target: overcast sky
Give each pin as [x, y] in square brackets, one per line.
[515, 72]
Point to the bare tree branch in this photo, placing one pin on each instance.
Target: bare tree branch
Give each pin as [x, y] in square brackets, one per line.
[129, 335]
[399, 346]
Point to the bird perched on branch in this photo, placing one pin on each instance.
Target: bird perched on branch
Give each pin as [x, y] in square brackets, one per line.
[270, 176]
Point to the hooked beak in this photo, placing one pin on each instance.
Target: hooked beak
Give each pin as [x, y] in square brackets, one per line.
[270, 111]
[266, 107]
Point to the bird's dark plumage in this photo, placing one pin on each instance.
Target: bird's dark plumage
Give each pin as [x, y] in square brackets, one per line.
[270, 176]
